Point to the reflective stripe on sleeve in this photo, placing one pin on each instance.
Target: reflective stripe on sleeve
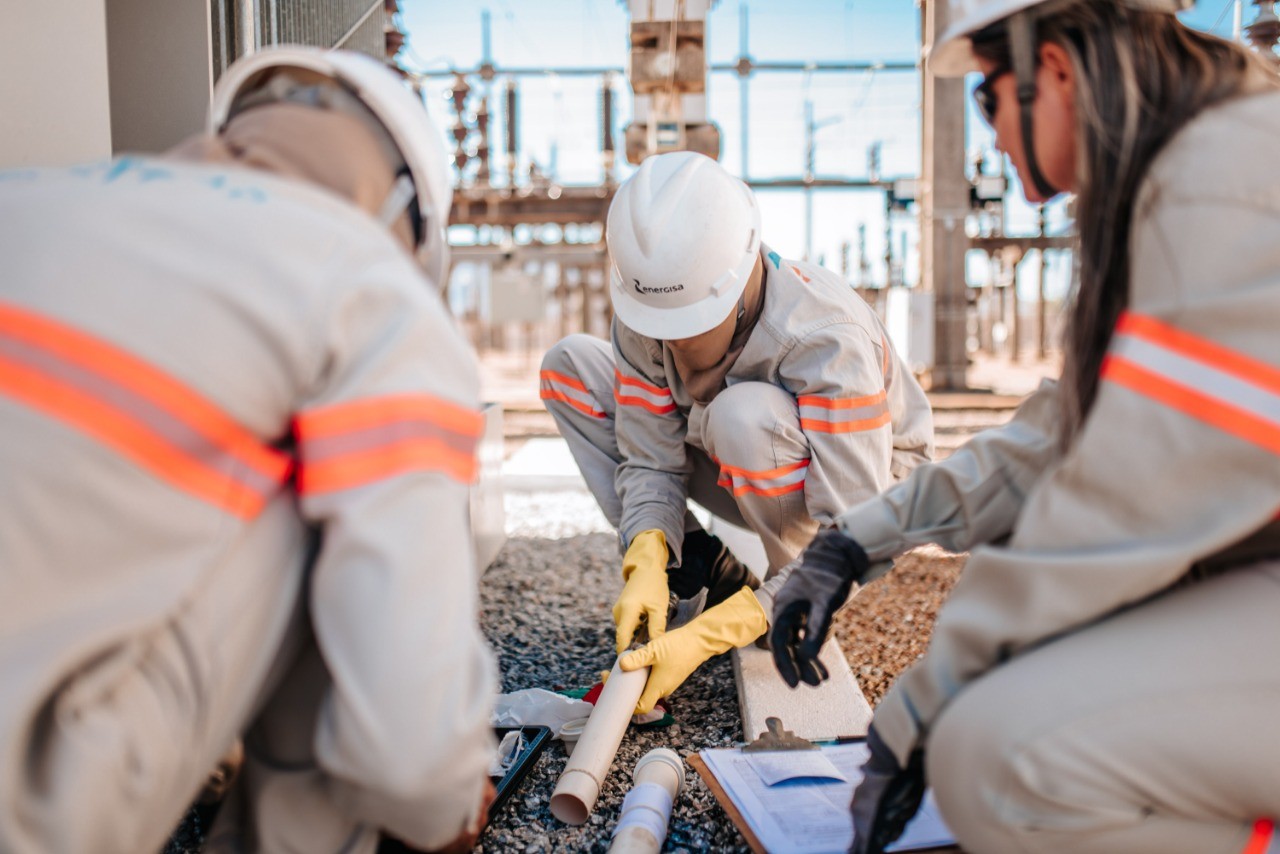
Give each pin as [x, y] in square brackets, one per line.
[1260, 840]
[843, 414]
[349, 445]
[769, 483]
[1223, 388]
[567, 390]
[137, 410]
[629, 391]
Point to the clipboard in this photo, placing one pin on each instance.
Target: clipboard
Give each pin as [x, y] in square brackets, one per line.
[722, 798]
[774, 740]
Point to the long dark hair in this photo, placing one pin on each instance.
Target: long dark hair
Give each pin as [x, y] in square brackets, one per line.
[1141, 76]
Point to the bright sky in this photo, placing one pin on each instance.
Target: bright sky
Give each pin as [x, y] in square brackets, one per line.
[560, 116]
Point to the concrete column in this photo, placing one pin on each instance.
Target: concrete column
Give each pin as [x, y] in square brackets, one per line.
[53, 85]
[944, 205]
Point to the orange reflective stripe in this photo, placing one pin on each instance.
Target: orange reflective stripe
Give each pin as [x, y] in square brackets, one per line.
[1221, 358]
[354, 444]
[644, 404]
[121, 368]
[133, 408]
[1260, 840]
[641, 384]
[379, 411]
[1213, 384]
[768, 482]
[1191, 402]
[661, 402]
[749, 488]
[562, 388]
[563, 379]
[843, 414]
[841, 402]
[845, 426]
[552, 394]
[766, 474]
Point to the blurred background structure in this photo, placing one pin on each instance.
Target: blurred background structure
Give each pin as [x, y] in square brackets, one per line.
[861, 162]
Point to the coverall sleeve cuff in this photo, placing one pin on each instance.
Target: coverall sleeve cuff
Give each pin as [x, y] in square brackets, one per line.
[895, 721]
[874, 526]
[674, 536]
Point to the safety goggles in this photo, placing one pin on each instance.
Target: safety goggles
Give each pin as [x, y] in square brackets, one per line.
[984, 94]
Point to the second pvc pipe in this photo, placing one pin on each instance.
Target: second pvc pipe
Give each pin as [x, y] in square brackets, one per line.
[642, 827]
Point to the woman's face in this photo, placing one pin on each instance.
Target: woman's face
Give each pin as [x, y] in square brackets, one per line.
[1053, 116]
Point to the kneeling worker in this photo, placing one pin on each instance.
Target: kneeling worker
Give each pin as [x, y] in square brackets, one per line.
[764, 389]
[237, 429]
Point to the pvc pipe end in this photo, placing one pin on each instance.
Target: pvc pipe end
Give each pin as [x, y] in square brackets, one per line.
[666, 759]
[574, 797]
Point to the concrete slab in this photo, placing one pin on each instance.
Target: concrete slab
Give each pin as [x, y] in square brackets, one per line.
[542, 465]
[834, 708]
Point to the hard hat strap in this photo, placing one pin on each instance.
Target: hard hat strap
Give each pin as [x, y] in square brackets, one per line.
[401, 195]
[1022, 47]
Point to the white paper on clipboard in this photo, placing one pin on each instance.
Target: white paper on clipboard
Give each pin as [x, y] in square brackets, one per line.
[807, 816]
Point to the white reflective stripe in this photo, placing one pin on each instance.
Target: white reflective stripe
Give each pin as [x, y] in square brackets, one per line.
[837, 416]
[740, 479]
[1204, 379]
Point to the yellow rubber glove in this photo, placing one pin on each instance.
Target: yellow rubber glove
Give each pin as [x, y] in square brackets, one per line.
[737, 621]
[645, 596]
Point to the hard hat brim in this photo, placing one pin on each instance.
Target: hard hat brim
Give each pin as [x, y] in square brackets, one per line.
[673, 324]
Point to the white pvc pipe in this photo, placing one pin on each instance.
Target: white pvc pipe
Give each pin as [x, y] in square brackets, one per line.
[579, 785]
[642, 827]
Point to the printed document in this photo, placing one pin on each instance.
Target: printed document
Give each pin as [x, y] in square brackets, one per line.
[810, 814]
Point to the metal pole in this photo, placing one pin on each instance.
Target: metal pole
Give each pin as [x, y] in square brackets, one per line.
[808, 177]
[743, 86]
[944, 207]
[1042, 298]
[511, 129]
[247, 20]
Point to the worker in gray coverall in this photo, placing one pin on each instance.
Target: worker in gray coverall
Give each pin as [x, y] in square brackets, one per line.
[1103, 678]
[764, 389]
[237, 431]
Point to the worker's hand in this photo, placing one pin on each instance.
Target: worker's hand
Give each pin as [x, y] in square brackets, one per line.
[887, 798]
[645, 597]
[736, 621]
[466, 840]
[803, 608]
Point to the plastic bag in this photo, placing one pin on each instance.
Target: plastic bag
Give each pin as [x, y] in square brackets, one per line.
[537, 706]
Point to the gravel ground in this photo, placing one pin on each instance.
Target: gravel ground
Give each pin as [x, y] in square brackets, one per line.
[546, 607]
[546, 611]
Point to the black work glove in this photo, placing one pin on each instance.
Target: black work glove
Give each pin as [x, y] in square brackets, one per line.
[812, 594]
[887, 798]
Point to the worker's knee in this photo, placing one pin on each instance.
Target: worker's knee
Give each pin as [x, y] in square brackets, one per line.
[577, 354]
[969, 769]
[1000, 782]
[755, 415]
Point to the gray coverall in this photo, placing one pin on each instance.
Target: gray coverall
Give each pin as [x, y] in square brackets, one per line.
[1106, 679]
[238, 430]
[818, 413]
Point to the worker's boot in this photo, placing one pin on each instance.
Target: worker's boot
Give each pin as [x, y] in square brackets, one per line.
[708, 574]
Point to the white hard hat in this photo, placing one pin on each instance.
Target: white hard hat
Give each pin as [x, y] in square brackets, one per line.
[402, 113]
[952, 53]
[684, 236]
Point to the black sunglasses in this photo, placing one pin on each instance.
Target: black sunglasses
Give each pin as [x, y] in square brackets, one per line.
[984, 94]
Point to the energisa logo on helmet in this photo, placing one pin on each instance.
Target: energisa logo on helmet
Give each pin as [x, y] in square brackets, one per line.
[668, 289]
